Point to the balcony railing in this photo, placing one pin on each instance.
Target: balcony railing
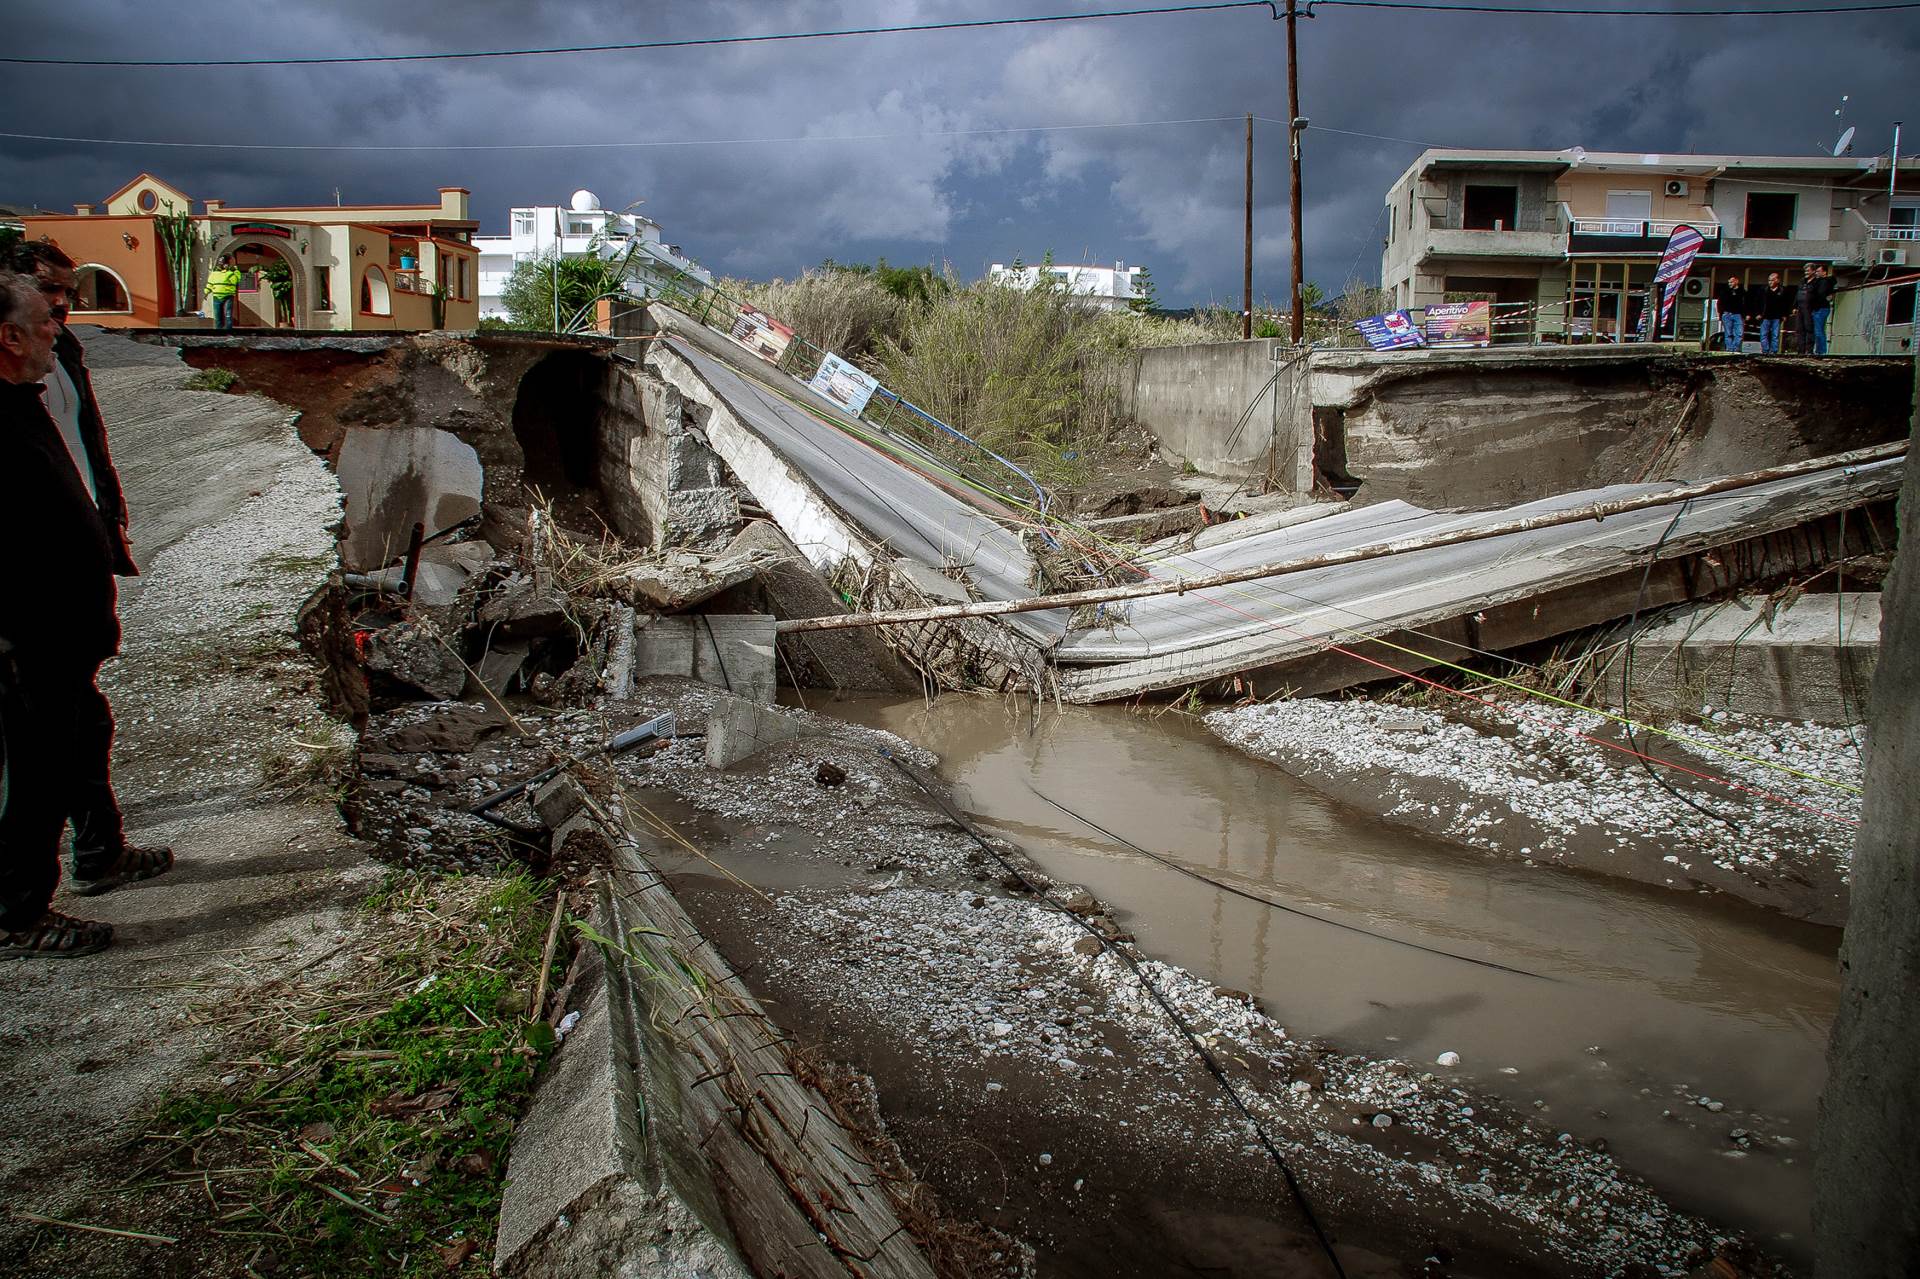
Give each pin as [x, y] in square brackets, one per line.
[1891, 231]
[1642, 227]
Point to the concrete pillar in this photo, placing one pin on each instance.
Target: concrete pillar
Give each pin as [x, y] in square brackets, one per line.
[1866, 1208]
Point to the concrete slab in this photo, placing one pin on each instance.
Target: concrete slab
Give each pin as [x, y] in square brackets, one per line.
[734, 651]
[393, 479]
[1812, 659]
[738, 728]
[1177, 640]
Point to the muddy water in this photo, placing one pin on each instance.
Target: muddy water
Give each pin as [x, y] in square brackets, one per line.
[1642, 1000]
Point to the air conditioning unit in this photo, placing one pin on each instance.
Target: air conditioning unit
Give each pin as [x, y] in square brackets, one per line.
[1893, 257]
[1697, 286]
[1676, 189]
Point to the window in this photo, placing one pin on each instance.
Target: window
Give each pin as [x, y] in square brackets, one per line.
[1489, 208]
[463, 278]
[322, 289]
[579, 226]
[1900, 304]
[147, 200]
[1770, 215]
[523, 221]
[1629, 206]
[1905, 215]
[374, 298]
[95, 288]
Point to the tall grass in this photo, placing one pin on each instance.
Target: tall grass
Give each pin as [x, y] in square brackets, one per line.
[838, 311]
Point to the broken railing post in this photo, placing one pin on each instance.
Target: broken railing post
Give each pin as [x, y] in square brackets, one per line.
[1179, 586]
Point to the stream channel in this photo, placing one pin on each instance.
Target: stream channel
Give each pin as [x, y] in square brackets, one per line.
[1645, 1001]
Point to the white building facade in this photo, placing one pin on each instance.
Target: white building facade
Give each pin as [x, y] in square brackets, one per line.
[1111, 288]
[581, 228]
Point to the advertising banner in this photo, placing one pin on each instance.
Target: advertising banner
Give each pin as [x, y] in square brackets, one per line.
[1390, 332]
[760, 333]
[1456, 324]
[844, 384]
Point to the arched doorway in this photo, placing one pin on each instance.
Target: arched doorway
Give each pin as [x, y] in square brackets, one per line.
[272, 288]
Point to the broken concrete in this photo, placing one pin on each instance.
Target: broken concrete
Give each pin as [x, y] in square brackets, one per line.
[738, 729]
[787, 586]
[394, 479]
[577, 1200]
[1808, 659]
[415, 657]
[727, 650]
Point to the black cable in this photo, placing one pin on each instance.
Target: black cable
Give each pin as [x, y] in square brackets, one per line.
[1191, 873]
[1193, 1041]
[714, 644]
[630, 46]
[1626, 678]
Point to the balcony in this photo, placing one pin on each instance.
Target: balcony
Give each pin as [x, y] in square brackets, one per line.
[1609, 237]
[1451, 242]
[1898, 233]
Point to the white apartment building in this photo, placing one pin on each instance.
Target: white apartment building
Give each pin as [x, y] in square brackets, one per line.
[1111, 288]
[580, 228]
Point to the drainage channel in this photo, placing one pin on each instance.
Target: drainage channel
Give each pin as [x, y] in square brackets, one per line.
[1686, 1032]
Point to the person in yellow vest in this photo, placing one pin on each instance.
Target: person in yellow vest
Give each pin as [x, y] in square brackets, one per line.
[223, 282]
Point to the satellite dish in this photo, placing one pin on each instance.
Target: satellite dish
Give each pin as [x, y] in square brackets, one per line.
[1845, 145]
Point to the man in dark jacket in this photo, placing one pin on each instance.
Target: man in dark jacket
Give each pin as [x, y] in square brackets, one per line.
[102, 858]
[1773, 303]
[57, 625]
[1812, 304]
[1732, 300]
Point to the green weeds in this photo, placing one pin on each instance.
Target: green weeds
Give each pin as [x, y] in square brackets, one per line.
[215, 379]
[371, 1135]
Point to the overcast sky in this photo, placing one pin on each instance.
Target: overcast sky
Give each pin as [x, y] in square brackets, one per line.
[920, 185]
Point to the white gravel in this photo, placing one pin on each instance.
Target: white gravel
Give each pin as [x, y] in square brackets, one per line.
[1469, 783]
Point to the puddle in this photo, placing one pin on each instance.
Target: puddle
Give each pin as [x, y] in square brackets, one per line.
[1679, 994]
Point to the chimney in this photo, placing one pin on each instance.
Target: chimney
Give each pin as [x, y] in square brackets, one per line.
[453, 203]
[214, 206]
[83, 210]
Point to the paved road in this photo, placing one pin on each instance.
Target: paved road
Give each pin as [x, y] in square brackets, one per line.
[910, 514]
[1171, 641]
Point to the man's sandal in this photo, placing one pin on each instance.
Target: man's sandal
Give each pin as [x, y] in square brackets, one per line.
[56, 936]
[132, 864]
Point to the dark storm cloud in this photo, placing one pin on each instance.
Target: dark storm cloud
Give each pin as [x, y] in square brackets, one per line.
[1165, 195]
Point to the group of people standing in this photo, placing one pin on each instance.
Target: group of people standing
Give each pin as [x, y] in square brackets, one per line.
[62, 511]
[1767, 307]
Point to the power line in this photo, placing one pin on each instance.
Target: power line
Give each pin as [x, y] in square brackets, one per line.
[630, 46]
[1538, 11]
[609, 145]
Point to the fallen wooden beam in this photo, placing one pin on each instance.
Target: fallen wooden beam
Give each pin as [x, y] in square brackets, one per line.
[1596, 512]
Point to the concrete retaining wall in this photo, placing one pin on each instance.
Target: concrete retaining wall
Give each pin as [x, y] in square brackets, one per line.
[1211, 406]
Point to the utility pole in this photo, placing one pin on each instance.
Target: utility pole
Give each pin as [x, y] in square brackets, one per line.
[1295, 123]
[1246, 311]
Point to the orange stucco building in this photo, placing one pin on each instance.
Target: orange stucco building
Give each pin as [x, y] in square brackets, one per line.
[349, 268]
